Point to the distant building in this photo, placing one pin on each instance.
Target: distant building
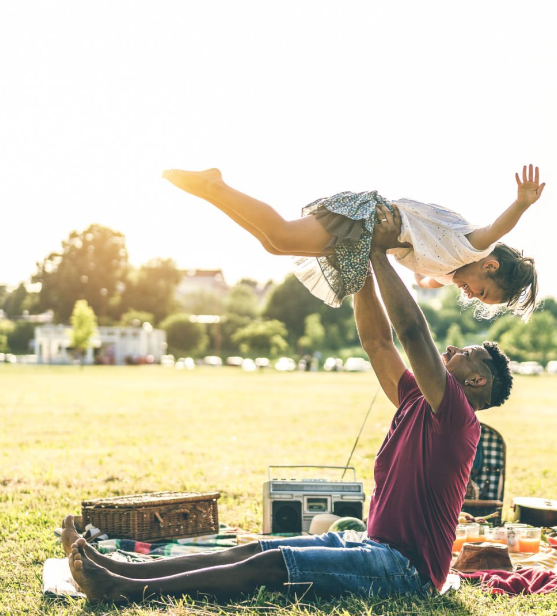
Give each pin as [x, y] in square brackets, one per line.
[110, 345]
[44, 317]
[198, 281]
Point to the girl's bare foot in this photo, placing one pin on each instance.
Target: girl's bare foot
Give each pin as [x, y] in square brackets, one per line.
[198, 183]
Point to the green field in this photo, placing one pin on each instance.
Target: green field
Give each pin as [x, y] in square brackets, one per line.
[69, 434]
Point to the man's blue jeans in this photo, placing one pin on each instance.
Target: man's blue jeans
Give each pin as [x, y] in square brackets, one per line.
[334, 563]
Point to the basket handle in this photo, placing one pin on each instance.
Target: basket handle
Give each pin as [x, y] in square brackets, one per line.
[186, 513]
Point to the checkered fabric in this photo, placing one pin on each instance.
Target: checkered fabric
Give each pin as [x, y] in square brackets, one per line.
[490, 476]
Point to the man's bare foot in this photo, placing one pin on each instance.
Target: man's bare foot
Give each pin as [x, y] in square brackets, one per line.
[95, 581]
[69, 533]
[70, 536]
[198, 183]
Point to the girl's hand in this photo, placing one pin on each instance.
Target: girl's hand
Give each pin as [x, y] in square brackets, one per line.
[529, 189]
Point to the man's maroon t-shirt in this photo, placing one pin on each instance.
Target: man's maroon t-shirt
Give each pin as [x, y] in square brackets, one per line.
[421, 473]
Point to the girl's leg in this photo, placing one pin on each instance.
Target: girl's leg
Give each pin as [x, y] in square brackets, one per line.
[304, 236]
[263, 239]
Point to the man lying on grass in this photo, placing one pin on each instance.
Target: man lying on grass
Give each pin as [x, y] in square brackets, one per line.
[421, 472]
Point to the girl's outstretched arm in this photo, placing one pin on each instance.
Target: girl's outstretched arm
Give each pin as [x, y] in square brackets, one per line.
[529, 191]
[427, 282]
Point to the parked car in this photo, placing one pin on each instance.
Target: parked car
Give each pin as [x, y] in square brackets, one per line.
[186, 363]
[285, 364]
[515, 367]
[356, 364]
[551, 367]
[234, 361]
[333, 364]
[262, 362]
[248, 365]
[212, 360]
[530, 368]
[167, 361]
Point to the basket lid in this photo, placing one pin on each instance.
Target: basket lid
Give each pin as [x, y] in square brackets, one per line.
[150, 498]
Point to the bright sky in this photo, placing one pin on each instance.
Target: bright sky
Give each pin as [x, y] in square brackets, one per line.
[432, 100]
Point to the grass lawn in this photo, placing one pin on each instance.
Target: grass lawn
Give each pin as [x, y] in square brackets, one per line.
[68, 434]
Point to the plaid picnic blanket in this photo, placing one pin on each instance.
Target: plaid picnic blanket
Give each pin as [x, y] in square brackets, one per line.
[137, 551]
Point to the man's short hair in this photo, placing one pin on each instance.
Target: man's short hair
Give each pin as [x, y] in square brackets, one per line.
[501, 372]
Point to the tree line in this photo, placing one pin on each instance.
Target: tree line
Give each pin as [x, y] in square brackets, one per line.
[93, 266]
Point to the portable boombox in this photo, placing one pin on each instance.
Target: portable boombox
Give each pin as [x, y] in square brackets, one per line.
[289, 505]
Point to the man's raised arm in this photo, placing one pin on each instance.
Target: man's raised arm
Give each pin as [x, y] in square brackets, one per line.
[376, 337]
[405, 315]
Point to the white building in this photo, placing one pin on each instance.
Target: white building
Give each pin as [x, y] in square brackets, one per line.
[110, 345]
[195, 281]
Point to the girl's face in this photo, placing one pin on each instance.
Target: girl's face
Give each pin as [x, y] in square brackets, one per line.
[475, 282]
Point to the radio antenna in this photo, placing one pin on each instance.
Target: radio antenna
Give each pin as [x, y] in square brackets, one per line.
[360, 432]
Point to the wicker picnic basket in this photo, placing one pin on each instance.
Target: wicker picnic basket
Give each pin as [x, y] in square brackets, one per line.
[154, 516]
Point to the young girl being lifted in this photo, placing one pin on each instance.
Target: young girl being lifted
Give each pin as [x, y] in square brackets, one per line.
[332, 240]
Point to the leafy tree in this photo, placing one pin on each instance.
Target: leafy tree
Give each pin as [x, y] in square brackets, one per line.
[3, 294]
[84, 325]
[314, 335]
[290, 303]
[242, 306]
[20, 336]
[203, 302]
[339, 324]
[454, 336]
[266, 338]
[549, 304]
[183, 335]
[136, 318]
[242, 301]
[152, 289]
[500, 326]
[13, 302]
[6, 329]
[4, 347]
[532, 341]
[445, 312]
[92, 265]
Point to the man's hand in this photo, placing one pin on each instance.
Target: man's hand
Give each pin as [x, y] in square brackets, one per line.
[529, 189]
[386, 229]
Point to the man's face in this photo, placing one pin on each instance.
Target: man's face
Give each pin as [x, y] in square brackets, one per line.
[461, 363]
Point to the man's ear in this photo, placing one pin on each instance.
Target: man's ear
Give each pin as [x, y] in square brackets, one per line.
[492, 265]
[477, 381]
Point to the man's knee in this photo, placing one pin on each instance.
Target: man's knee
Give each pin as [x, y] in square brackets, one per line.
[267, 568]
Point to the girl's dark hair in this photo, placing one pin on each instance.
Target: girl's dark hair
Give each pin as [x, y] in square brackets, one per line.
[518, 278]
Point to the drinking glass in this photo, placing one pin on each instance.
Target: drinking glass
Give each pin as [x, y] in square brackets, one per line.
[529, 540]
[499, 535]
[473, 532]
[461, 533]
[513, 536]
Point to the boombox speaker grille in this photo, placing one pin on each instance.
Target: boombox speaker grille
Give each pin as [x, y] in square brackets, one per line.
[346, 509]
[287, 517]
